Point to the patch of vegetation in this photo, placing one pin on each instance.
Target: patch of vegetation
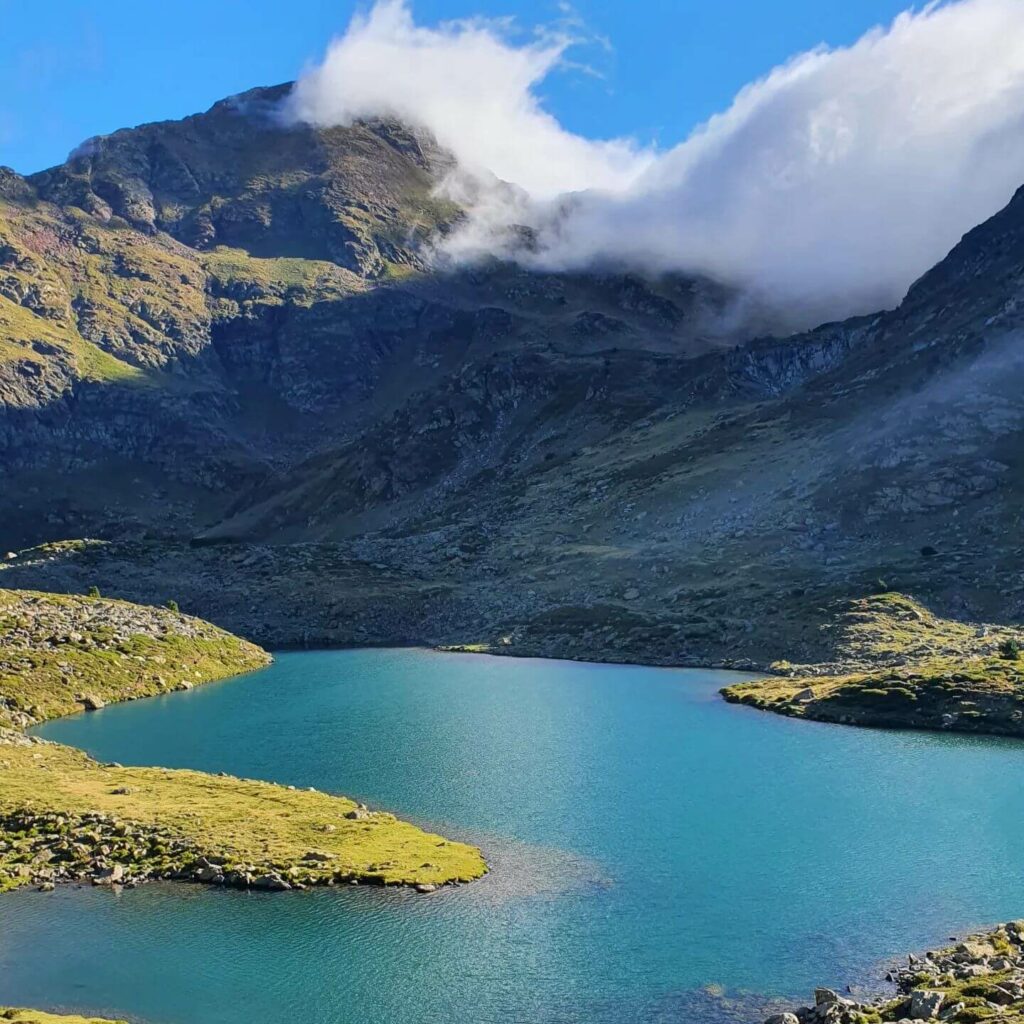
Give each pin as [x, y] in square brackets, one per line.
[904, 667]
[60, 547]
[22, 1016]
[274, 276]
[1009, 650]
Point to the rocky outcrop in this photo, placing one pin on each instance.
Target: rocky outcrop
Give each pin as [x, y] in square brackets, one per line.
[44, 850]
[241, 175]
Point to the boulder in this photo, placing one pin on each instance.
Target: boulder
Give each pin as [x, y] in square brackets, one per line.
[925, 1005]
[270, 883]
[109, 876]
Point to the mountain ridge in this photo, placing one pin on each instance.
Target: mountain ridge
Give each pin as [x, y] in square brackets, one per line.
[589, 463]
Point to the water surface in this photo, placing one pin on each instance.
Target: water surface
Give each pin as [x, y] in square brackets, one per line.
[647, 840]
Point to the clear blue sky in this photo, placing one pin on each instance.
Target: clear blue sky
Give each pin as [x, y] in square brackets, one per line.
[75, 68]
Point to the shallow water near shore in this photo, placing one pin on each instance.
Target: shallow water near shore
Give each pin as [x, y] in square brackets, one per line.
[646, 840]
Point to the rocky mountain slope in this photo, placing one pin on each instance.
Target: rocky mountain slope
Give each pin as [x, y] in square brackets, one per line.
[226, 355]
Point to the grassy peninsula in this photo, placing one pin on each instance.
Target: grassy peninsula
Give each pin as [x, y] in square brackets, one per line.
[20, 1016]
[895, 664]
[66, 817]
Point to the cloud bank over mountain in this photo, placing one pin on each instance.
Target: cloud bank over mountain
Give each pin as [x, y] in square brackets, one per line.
[828, 186]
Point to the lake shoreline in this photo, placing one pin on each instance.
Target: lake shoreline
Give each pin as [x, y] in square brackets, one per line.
[66, 818]
[978, 978]
[873, 1009]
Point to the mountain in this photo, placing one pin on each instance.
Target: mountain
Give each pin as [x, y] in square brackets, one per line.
[225, 355]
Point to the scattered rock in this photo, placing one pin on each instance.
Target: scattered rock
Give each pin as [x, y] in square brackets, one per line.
[940, 985]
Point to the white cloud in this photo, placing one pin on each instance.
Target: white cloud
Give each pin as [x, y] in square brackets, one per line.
[829, 185]
[474, 89]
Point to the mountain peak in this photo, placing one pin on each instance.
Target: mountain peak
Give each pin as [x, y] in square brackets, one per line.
[241, 175]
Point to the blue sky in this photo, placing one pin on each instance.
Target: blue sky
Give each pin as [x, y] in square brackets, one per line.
[86, 68]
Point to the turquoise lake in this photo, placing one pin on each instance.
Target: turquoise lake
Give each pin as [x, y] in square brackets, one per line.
[646, 840]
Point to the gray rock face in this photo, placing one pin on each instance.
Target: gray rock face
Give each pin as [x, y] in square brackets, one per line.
[109, 876]
[925, 1005]
[271, 883]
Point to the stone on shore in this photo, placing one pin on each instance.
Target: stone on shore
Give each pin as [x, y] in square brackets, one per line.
[925, 1005]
